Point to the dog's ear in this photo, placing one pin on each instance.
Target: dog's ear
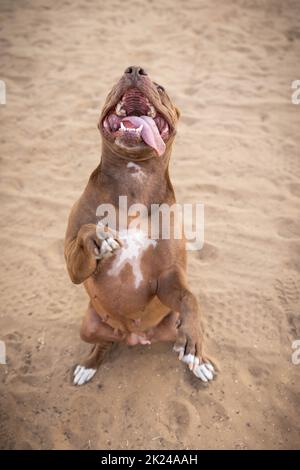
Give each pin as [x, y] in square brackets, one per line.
[177, 112]
[99, 124]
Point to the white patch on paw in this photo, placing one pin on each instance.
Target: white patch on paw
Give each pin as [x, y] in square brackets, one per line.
[112, 243]
[203, 371]
[105, 248]
[108, 246]
[108, 242]
[83, 375]
[180, 351]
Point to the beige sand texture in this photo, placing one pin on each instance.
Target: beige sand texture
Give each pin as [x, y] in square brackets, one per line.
[229, 67]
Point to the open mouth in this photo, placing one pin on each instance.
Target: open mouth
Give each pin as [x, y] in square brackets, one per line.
[135, 121]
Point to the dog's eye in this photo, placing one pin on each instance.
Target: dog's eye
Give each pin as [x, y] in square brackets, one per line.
[160, 88]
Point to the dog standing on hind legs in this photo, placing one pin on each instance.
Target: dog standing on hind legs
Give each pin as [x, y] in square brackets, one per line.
[137, 285]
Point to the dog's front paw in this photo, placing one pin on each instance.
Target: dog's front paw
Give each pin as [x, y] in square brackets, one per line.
[107, 248]
[109, 242]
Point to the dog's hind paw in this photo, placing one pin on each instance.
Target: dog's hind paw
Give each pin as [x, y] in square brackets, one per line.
[83, 375]
[204, 370]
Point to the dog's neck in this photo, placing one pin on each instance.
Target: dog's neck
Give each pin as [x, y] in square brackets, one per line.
[145, 181]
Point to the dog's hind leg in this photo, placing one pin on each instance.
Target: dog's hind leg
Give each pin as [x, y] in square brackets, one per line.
[173, 292]
[102, 336]
[87, 368]
[166, 330]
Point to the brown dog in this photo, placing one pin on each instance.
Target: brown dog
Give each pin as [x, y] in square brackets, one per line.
[137, 285]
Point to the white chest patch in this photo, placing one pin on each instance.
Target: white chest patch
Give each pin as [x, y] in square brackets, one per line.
[135, 243]
[136, 170]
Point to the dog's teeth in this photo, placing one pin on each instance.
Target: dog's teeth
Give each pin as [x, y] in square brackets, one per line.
[132, 130]
[152, 111]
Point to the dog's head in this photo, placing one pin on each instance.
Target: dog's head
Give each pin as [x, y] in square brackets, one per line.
[138, 118]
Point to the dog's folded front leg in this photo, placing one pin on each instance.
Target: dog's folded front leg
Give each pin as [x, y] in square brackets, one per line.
[173, 292]
[80, 253]
[84, 252]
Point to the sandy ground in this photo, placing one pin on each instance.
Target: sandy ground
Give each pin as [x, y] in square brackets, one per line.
[229, 67]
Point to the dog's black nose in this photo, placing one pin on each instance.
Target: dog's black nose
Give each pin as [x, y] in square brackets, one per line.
[134, 71]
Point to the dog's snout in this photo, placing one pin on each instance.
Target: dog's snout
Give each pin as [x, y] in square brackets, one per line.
[135, 72]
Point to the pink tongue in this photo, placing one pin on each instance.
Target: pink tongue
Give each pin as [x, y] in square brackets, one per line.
[150, 134]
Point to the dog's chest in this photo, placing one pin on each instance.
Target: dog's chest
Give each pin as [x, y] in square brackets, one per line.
[135, 244]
